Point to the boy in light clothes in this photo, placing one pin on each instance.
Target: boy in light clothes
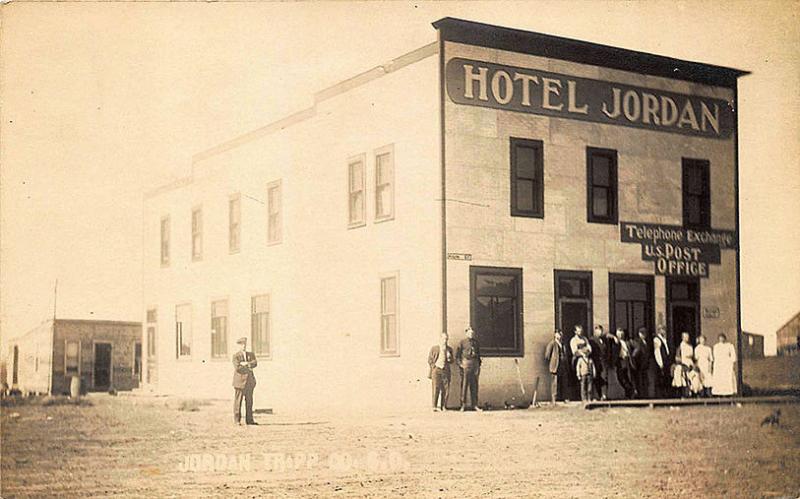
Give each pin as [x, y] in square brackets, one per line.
[585, 369]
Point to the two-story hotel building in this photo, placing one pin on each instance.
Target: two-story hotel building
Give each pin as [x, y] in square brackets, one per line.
[510, 180]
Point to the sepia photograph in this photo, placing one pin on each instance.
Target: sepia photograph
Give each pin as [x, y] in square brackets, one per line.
[540, 248]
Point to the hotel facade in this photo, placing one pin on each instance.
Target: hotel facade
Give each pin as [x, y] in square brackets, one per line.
[509, 180]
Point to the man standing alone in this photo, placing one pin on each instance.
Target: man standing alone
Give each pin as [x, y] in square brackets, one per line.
[244, 382]
[601, 358]
[556, 356]
[439, 360]
[468, 356]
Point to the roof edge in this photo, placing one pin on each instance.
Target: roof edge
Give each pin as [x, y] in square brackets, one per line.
[320, 96]
[326, 93]
[584, 52]
[793, 317]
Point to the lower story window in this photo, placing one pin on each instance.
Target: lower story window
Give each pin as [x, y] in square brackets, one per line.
[183, 331]
[496, 309]
[259, 324]
[72, 358]
[219, 328]
[389, 315]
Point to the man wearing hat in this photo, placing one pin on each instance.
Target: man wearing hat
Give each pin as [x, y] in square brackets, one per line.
[468, 358]
[243, 383]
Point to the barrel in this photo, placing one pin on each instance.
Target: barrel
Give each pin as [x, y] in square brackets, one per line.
[75, 387]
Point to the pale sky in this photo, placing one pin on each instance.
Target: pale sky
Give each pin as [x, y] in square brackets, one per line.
[101, 101]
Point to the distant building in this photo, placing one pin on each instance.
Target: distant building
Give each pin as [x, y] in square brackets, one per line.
[788, 336]
[512, 181]
[105, 354]
[752, 345]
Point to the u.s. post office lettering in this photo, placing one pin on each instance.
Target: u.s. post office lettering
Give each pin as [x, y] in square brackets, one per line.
[540, 92]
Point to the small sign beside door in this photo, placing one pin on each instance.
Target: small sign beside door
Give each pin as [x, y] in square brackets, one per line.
[711, 312]
[459, 256]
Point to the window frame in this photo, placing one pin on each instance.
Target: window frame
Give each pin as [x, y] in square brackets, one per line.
[353, 160]
[226, 340]
[234, 198]
[178, 340]
[385, 150]
[613, 189]
[197, 252]
[166, 242]
[137, 375]
[538, 146]
[519, 334]
[268, 354]
[384, 352]
[66, 353]
[152, 346]
[705, 197]
[271, 186]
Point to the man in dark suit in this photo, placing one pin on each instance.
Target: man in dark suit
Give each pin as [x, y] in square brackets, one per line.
[622, 362]
[244, 382]
[661, 364]
[601, 356]
[439, 360]
[468, 357]
[556, 357]
[640, 364]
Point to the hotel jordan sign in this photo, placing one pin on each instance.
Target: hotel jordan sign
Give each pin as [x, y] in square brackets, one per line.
[523, 90]
[676, 250]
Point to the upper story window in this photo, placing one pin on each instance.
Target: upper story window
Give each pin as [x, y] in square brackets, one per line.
[527, 178]
[234, 223]
[183, 330]
[274, 216]
[356, 199]
[165, 241]
[384, 184]
[696, 194]
[601, 185]
[197, 234]
[219, 328]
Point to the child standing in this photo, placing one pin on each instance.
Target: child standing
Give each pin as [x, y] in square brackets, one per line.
[695, 381]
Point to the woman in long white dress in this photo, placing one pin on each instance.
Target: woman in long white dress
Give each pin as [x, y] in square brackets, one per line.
[703, 358]
[724, 367]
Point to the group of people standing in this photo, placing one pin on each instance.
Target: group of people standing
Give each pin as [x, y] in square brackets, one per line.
[586, 367]
[643, 368]
[467, 357]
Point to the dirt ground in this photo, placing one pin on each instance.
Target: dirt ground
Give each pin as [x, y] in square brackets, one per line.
[140, 446]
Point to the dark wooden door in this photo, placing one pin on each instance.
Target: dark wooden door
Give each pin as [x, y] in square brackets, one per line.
[102, 366]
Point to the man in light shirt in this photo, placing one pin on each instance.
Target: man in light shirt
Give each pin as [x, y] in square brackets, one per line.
[439, 360]
[579, 341]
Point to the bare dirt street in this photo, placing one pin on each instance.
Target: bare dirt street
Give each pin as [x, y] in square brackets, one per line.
[136, 446]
